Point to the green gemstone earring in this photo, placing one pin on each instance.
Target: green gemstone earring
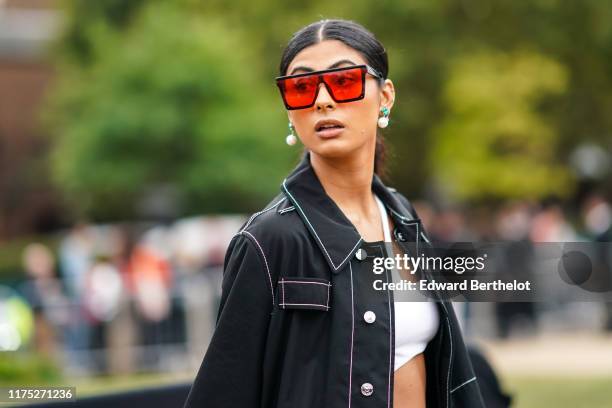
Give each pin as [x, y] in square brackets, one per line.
[383, 121]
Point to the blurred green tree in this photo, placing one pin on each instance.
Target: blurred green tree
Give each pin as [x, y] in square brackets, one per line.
[493, 143]
[426, 38]
[174, 100]
[119, 57]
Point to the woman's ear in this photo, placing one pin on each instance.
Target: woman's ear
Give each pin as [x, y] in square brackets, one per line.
[387, 94]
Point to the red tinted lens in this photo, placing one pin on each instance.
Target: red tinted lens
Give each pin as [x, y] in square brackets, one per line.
[345, 85]
[299, 92]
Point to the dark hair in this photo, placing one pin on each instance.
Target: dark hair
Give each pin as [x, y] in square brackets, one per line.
[355, 36]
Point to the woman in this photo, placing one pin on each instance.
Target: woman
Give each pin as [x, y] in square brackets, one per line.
[300, 323]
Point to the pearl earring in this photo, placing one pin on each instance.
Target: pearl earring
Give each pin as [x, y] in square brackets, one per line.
[291, 138]
[383, 121]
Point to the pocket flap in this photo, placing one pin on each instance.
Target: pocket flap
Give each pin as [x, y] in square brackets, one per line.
[304, 293]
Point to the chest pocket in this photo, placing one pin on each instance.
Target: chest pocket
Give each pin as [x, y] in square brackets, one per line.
[304, 293]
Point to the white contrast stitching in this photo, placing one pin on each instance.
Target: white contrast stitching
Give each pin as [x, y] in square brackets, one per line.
[261, 212]
[352, 337]
[307, 282]
[465, 383]
[417, 239]
[266, 261]
[391, 334]
[412, 222]
[284, 210]
[450, 334]
[399, 215]
[315, 231]
[417, 233]
[351, 251]
[425, 238]
[304, 304]
[283, 281]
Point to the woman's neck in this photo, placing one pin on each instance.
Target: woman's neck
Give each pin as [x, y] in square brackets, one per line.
[348, 183]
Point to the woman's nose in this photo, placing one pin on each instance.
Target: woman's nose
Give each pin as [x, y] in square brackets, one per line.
[324, 99]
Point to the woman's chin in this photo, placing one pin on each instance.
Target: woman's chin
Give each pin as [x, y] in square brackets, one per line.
[332, 149]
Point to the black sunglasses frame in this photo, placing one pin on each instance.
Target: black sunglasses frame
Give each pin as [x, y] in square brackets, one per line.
[365, 69]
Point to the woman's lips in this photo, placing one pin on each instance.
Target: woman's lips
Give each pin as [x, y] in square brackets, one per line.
[329, 132]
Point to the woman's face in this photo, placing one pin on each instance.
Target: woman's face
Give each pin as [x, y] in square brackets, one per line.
[358, 118]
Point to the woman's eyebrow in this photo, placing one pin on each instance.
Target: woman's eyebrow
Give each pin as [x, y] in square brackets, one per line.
[332, 66]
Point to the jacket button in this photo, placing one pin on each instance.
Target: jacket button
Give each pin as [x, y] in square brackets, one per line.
[361, 254]
[369, 316]
[367, 389]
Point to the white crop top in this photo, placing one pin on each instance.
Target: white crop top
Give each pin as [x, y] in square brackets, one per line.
[416, 323]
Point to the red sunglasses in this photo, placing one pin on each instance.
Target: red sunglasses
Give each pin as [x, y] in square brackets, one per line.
[345, 84]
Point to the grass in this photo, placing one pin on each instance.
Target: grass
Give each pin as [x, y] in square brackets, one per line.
[103, 385]
[527, 391]
[559, 392]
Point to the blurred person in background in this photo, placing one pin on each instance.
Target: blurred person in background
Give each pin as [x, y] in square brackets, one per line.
[102, 298]
[513, 226]
[451, 226]
[596, 214]
[76, 253]
[549, 224]
[44, 292]
[152, 284]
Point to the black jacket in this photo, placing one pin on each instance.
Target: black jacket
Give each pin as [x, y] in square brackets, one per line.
[290, 330]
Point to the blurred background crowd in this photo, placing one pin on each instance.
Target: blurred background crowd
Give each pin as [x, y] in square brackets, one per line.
[137, 136]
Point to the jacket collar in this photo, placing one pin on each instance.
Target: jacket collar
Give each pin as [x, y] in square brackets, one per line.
[336, 236]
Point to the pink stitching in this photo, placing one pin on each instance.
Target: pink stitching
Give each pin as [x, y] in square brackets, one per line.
[314, 283]
[303, 304]
[314, 230]
[352, 337]
[283, 289]
[463, 384]
[283, 281]
[391, 334]
[266, 261]
[261, 212]
[391, 329]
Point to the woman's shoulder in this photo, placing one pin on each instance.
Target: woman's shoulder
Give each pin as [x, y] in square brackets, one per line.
[277, 222]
